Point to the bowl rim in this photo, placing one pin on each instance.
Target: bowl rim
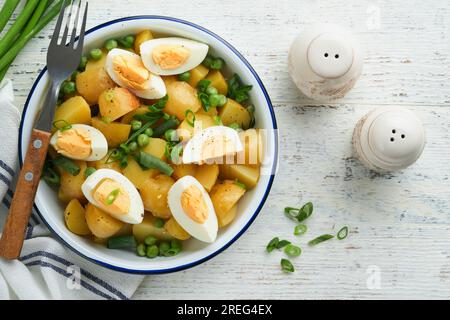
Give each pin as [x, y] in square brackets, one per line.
[269, 184]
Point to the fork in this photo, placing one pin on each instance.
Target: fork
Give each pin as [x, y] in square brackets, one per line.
[63, 58]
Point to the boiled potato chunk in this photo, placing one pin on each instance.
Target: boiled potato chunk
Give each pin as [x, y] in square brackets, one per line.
[74, 216]
[169, 79]
[248, 175]
[207, 175]
[114, 132]
[211, 111]
[182, 97]
[94, 80]
[73, 110]
[126, 119]
[225, 218]
[147, 228]
[253, 152]
[101, 224]
[138, 176]
[233, 112]
[106, 163]
[175, 230]
[218, 81]
[156, 147]
[141, 37]
[202, 121]
[224, 196]
[197, 74]
[184, 169]
[70, 186]
[154, 195]
[116, 102]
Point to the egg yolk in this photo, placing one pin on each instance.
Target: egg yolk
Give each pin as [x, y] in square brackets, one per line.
[215, 147]
[111, 197]
[169, 57]
[193, 204]
[131, 71]
[74, 143]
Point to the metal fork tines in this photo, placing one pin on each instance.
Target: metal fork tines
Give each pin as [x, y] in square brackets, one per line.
[64, 54]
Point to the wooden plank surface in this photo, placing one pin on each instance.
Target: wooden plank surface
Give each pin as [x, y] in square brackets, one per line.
[400, 222]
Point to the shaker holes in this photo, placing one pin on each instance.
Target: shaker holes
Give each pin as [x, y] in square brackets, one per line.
[336, 56]
[326, 55]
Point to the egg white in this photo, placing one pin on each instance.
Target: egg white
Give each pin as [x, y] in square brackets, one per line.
[206, 231]
[192, 152]
[99, 145]
[198, 52]
[156, 88]
[136, 211]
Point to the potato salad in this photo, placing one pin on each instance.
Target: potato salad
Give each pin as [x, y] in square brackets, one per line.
[154, 143]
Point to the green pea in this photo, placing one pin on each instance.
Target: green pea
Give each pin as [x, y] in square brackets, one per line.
[163, 247]
[136, 124]
[127, 42]
[89, 171]
[166, 116]
[111, 44]
[140, 250]
[149, 132]
[96, 54]
[214, 100]
[143, 140]
[211, 90]
[83, 62]
[208, 61]
[185, 76]
[222, 101]
[159, 223]
[69, 87]
[175, 244]
[171, 135]
[152, 251]
[133, 146]
[150, 240]
[217, 64]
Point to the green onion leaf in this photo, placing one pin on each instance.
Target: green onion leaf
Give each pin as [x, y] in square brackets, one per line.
[237, 90]
[159, 105]
[342, 234]
[299, 214]
[187, 113]
[203, 84]
[292, 250]
[286, 265]
[64, 127]
[112, 196]
[283, 243]
[320, 239]
[300, 229]
[272, 244]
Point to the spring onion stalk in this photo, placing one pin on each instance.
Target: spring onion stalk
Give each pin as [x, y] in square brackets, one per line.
[148, 161]
[17, 26]
[7, 11]
[8, 58]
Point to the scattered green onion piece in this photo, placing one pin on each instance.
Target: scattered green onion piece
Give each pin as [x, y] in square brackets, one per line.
[111, 44]
[272, 244]
[286, 266]
[140, 250]
[282, 243]
[203, 84]
[67, 165]
[150, 240]
[320, 239]
[185, 76]
[89, 171]
[159, 223]
[235, 126]
[96, 54]
[112, 196]
[300, 229]
[159, 105]
[218, 120]
[342, 234]
[292, 250]
[299, 214]
[143, 140]
[152, 251]
[51, 176]
[121, 242]
[175, 154]
[64, 127]
[207, 62]
[240, 184]
[187, 113]
[148, 161]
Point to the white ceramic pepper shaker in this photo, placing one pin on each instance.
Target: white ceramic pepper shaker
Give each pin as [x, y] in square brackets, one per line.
[325, 61]
[389, 139]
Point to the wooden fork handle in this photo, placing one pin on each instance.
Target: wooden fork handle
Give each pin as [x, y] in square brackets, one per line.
[19, 213]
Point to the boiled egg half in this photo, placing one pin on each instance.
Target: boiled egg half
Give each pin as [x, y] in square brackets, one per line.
[211, 145]
[169, 56]
[115, 194]
[127, 70]
[80, 142]
[192, 208]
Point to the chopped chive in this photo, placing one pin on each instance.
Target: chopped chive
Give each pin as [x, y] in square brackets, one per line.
[112, 196]
[187, 113]
[64, 127]
[282, 243]
[272, 244]
[299, 214]
[240, 184]
[342, 234]
[286, 266]
[292, 250]
[300, 229]
[320, 239]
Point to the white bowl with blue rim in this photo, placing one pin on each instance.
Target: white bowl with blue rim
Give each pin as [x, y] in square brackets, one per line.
[194, 252]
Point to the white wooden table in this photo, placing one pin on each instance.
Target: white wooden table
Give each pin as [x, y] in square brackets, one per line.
[400, 223]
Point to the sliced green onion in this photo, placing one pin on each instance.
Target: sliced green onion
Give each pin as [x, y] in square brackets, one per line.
[64, 127]
[300, 229]
[272, 244]
[51, 176]
[342, 234]
[320, 239]
[218, 120]
[286, 266]
[112, 196]
[240, 184]
[67, 165]
[282, 244]
[292, 250]
[299, 214]
[89, 171]
[148, 161]
[185, 76]
[121, 242]
[187, 113]
[235, 126]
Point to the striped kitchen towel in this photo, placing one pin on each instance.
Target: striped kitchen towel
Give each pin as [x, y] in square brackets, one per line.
[46, 269]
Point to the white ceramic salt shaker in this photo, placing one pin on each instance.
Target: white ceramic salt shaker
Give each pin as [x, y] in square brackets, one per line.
[389, 139]
[325, 61]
